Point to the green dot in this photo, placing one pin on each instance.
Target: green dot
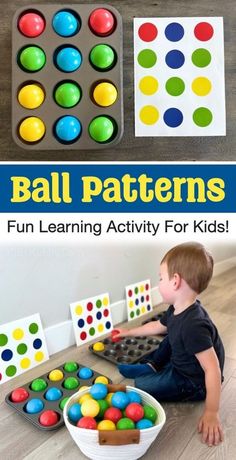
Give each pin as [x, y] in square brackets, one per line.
[63, 402]
[202, 117]
[91, 331]
[10, 371]
[22, 349]
[201, 57]
[32, 58]
[71, 383]
[3, 340]
[67, 95]
[38, 385]
[175, 86]
[71, 366]
[33, 328]
[102, 57]
[98, 303]
[147, 58]
[132, 314]
[101, 129]
[137, 312]
[136, 290]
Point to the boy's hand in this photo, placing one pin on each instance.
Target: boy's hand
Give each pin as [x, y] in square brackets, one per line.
[210, 427]
[119, 333]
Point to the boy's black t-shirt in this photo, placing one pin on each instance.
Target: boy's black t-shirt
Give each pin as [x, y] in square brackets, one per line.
[191, 332]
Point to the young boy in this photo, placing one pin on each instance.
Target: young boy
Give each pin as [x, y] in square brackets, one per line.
[188, 365]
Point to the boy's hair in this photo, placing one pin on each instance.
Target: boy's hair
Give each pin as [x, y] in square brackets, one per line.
[192, 262]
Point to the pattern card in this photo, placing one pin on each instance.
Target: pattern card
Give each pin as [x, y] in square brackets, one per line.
[22, 346]
[91, 318]
[179, 77]
[138, 299]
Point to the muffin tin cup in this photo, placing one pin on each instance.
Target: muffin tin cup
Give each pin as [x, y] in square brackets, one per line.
[50, 405]
[129, 350]
[49, 77]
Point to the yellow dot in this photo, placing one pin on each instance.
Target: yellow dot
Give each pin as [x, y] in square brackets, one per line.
[31, 96]
[101, 379]
[39, 355]
[78, 310]
[105, 301]
[131, 304]
[100, 328]
[25, 363]
[148, 85]
[143, 310]
[98, 346]
[32, 129]
[201, 86]
[105, 94]
[56, 375]
[17, 334]
[149, 115]
[142, 288]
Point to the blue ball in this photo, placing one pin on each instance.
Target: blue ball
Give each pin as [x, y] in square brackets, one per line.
[34, 406]
[120, 399]
[134, 397]
[65, 24]
[143, 424]
[68, 59]
[68, 128]
[74, 413]
[85, 373]
[53, 394]
[98, 391]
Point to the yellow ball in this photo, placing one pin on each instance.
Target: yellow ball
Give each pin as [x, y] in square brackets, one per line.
[56, 375]
[31, 96]
[106, 425]
[32, 129]
[98, 346]
[108, 398]
[90, 408]
[105, 94]
[84, 398]
[101, 379]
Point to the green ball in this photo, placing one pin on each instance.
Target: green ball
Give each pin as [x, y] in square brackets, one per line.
[103, 407]
[71, 366]
[38, 385]
[32, 58]
[67, 95]
[71, 383]
[149, 413]
[101, 129]
[102, 57]
[125, 424]
[63, 402]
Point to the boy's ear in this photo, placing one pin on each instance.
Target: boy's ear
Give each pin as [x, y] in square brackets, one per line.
[176, 281]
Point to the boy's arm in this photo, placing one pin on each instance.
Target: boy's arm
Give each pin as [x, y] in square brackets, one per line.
[151, 328]
[209, 424]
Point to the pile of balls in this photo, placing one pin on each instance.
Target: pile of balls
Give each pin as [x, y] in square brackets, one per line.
[100, 410]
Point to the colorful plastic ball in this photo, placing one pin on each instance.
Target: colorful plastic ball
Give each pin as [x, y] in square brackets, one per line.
[56, 375]
[134, 397]
[90, 408]
[84, 398]
[120, 399]
[101, 22]
[102, 57]
[19, 395]
[101, 379]
[114, 414]
[65, 23]
[106, 425]
[113, 336]
[125, 424]
[150, 413]
[32, 129]
[63, 402]
[67, 94]
[134, 411]
[101, 129]
[74, 412]
[32, 58]
[31, 24]
[108, 398]
[87, 422]
[48, 418]
[98, 346]
[103, 404]
[38, 385]
[71, 366]
[68, 129]
[53, 394]
[34, 406]
[105, 94]
[98, 391]
[68, 59]
[143, 424]
[71, 383]
[85, 373]
[31, 96]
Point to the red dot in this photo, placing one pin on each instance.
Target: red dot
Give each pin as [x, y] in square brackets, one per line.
[147, 298]
[146, 287]
[130, 293]
[0, 376]
[83, 335]
[89, 306]
[147, 32]
[89, 319]
[106, 312]
[203, 31]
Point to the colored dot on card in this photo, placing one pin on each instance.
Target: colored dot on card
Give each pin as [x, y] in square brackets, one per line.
[137, 312]
[148, 85]
[89, 319]
[147, 58]
[3, 340]
[108, 325]
[105, 301]
[175, 86]
[147, 298]
[98, 303]
[10, 371]
[149, 115]
[201, 57]
[0, 376]
[131, 304]
[132, 314]
[25, 363]
[18, 334]
[173, 117]
[6, 355]
[83, 335]
[37, 343]
[201, 86]
[148, 307]
[39, 356]
[33, 328]
[91, 331]
[203, 31]
[98, 315]
[202, 117]
[136, 290]
[130, 293]
[147, 286]
[175, 59]
[22, 349]
[78, 310]
[142, 287]
[143, 309]
[174, 32]
[148, 32]
[106, 313]
[100, 328]
[81, 323]
[136, 302]
[142, 298]
[89, 306]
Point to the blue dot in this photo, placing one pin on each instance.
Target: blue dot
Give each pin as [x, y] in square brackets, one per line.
[68, 129]
[7, 355]
[142, 298]
[108, 325]
[148, 307]
[98, 315]
[81, 323]
[37, 343]
[173, 117]
[175, 59]
[136, 302]
[174, 32]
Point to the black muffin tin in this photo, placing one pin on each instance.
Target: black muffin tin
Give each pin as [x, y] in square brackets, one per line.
[155, 317]
[50, 405]
[129, 350]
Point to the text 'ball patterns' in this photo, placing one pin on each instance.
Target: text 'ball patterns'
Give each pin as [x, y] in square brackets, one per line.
[91, 318]
[67, 77]
[138, 299]
[179, 77]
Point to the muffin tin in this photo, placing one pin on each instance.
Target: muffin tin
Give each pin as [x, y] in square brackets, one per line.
[84, 91]
[33, 418]
[154, 317]
[128, 350]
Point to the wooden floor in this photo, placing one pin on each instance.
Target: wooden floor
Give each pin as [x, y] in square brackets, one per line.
[177, 441]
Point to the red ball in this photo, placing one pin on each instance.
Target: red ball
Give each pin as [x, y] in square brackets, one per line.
[19, 395]
[101, 22]
[113, 333]
[87, 422]
[31, 24]
[48, 418]
[134, 411]
[114, 414]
